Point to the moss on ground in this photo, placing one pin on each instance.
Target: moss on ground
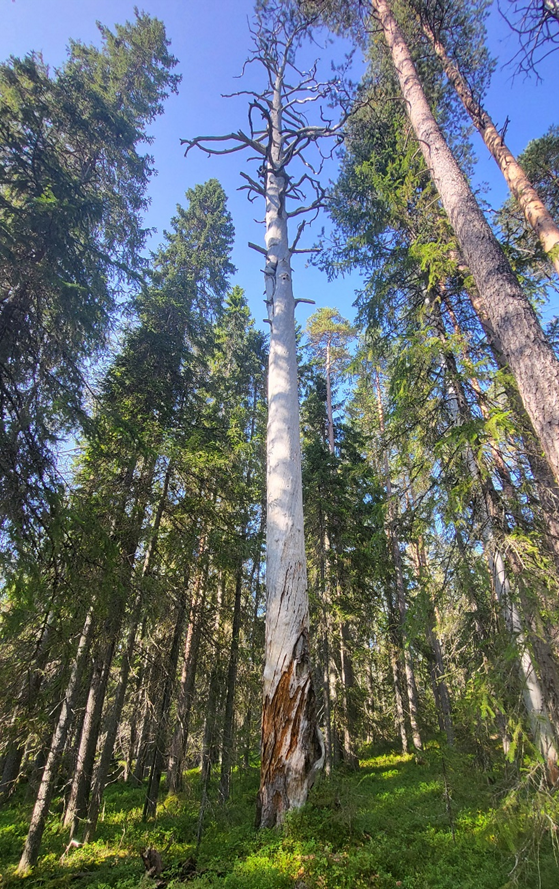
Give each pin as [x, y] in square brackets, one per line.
[432, 822]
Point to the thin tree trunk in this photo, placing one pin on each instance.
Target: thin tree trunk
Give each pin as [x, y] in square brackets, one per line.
[136, 718]
[330, 416]
[392, 535]
[185, 698]
[209, 745]
[326, 684]
[518, 332]
[229, 718]
[76, 806]
[536, 214]
[348, 677]
[348, 703]
[158, 754]
[536, 708]
[10, 770]
[400, 719]
[540, 725]
[439, 673]
[46, 787]
[247, 729]
[411, 687]
[150, 686]
[103, 765]
[31, 686]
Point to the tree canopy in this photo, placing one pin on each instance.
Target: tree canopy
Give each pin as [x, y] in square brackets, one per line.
[328, 548]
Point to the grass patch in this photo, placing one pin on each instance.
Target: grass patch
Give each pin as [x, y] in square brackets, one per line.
[424, 823]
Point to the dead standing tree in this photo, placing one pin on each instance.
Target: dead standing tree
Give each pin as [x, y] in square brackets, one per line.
[280, 135]
[536, 24]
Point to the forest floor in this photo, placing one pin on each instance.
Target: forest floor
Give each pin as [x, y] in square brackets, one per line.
[437, 821]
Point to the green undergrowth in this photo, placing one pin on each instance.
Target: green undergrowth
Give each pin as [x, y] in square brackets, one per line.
[432, 822]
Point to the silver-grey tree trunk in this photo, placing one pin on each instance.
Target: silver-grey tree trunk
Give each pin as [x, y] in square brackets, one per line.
[292, 748]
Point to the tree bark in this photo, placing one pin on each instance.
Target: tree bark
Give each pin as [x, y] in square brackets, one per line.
[229, 718]
[292, 747]
[394, 650]
[158, 754]
[536, 706]
[518, 332]
[348, 702]
[441, 687]
[328, 370]
[76, 806]
[188, 676]
[46, 787]
[150, 685]
[536, 214]
[210, 747]
[394, 542]
[103, 765]
[30, 689]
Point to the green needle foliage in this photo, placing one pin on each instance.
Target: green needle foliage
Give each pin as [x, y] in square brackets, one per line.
[132, 596]
[72, 189]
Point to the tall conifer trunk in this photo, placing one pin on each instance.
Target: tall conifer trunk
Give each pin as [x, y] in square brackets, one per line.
[46, 787]
[158, 753]
[400, 588]
[535, 212]
[537, 707]
[292, 748]
[229, 718]
[518, 332]
[185, 696]
[291, 745]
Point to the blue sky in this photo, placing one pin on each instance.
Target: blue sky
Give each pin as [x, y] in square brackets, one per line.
[211, 40]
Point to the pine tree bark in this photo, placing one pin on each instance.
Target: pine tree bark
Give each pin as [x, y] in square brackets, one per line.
[518, 332]
[535, 212]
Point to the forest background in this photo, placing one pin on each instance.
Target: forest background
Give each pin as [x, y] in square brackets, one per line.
[134, 596]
